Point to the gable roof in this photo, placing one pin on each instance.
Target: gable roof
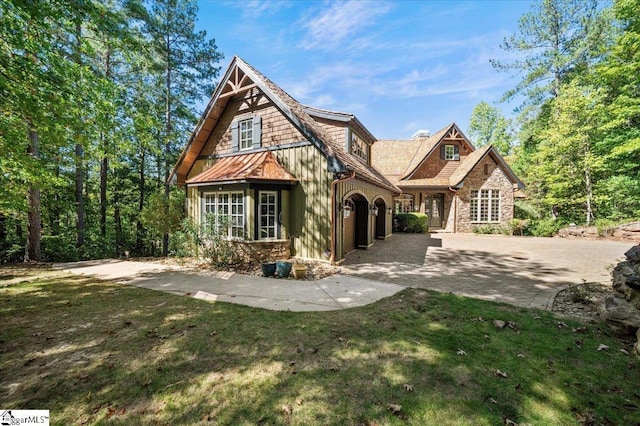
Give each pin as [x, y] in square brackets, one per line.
[240, 77]
[255, 167]
[429, 144]
[472, 160]
[400, 159]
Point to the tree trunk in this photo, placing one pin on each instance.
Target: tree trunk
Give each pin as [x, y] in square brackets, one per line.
[141, 185]
[104, 166]
[589, 190]
[79, 197]
[34, 224]
[167, 145]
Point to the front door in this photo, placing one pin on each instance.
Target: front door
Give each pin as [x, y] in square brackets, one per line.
[434, 209]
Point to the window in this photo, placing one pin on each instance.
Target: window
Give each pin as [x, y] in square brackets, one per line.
[268, 210]
[485, 205]
[246, 133]
[359, 147]
[403, 204]
[227, 210]
[449, 152]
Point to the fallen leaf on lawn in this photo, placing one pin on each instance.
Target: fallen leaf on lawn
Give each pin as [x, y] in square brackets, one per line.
[395, 408]
[461, 352]
[287, 409]
[603, 347]
[624, 351]
[486, 336]
[586, 418]
[579, 342]
[499, 373]
[579, 329]
[520, 355]
[408, 388]
[509, 422]
[493, 401]
[630, 407]
[562, 324]
[299, 401]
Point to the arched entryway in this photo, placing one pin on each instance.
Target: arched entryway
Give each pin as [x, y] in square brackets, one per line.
[381, 218]
[355, 221]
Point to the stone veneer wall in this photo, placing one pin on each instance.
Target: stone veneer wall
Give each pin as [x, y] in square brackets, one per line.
[495, 179]
[256, 252]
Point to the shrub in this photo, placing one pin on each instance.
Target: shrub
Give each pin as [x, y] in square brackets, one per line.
[544, 227]
[525, 210]
[411, 222]
[58, 248]
[208, 239]
[492, 229]
[518, 226]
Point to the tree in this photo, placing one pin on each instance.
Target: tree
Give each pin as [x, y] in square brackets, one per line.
[186, 62]
[487, 126]
[568, 161]
[556, 39]
[619, 74]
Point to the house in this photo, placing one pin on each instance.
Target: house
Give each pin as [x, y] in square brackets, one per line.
[294, 180]
[445, 177]
[291, 179]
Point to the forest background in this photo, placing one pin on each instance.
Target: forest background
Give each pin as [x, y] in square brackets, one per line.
[100, 96]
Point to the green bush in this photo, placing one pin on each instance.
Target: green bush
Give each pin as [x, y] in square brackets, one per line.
[58, 248]
[492, 229]
[544, 227]
[411, 222]
[525, 210]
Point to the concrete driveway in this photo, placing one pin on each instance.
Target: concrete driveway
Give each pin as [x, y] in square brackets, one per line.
[522, 271]
[331, 293]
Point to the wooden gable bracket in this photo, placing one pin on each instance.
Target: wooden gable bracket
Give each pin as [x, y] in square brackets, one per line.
[454, 134]
[238, 82]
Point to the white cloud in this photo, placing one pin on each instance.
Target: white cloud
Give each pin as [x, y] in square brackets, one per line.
[343, 20]
[257, 8]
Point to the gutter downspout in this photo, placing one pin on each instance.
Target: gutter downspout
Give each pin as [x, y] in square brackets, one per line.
[334, 234]
[455, 210]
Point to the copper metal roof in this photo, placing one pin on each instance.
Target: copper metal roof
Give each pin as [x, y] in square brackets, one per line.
[257, 166]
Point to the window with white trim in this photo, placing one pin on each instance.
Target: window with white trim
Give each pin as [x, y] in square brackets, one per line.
[227, 209]
[449, 152]
[245, 140]
[485, 205]
[268, 211]
[403, 204]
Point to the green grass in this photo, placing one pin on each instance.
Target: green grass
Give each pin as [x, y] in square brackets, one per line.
[95, 352]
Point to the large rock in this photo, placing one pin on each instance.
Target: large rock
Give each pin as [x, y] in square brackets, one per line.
[633, 254]
[621, 315]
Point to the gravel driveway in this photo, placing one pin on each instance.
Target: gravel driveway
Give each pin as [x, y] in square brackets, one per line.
[522, 271]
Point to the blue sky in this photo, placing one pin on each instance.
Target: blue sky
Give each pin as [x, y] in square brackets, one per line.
[399, 66]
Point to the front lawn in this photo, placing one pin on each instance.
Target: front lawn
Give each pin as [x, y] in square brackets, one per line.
[92, 352]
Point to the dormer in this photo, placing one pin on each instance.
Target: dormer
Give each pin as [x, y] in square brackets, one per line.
[357, 146]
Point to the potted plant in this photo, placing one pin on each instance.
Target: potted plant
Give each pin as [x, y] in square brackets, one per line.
[269, 269]
[283, 268]
[299, 270]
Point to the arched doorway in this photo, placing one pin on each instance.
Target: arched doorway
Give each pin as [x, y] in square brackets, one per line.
[355, 222]
[381, 218]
